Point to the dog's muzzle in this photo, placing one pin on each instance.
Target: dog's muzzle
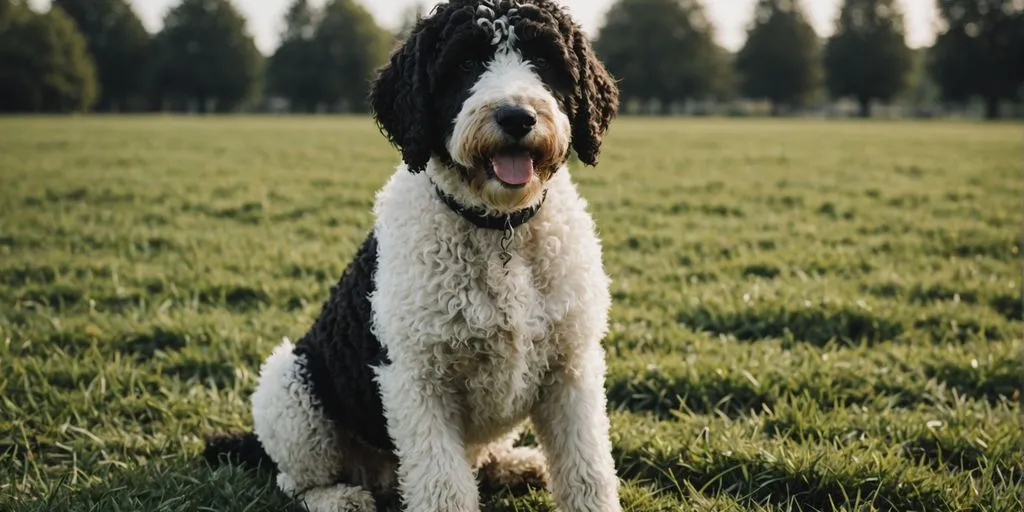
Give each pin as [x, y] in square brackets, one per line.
[516, 121]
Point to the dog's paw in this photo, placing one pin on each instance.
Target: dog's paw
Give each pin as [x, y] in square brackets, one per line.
[338, 498]
[519, 470]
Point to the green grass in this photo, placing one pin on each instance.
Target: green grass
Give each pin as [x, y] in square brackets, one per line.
[808, 315]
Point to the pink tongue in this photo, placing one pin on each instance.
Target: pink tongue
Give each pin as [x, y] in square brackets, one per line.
[514, 169]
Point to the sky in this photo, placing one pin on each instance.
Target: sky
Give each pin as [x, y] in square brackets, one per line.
[730, 17]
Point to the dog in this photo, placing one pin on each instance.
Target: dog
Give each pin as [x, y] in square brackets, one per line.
[477, 303]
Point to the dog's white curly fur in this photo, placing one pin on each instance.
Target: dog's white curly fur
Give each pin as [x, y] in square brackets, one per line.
[477, 348]
[301, 441]
[285, 418]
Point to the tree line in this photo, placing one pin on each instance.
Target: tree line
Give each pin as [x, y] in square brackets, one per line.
[97, 55]
[664, 51]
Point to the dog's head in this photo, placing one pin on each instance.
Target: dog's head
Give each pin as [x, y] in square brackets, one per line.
[497, 91]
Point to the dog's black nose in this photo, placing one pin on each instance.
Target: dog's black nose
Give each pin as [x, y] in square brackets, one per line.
[515, 121]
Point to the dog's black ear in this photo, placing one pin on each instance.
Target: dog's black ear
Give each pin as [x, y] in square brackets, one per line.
[399, 97]
[596, 98]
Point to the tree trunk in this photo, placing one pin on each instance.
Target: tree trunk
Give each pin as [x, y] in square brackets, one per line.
[864, 107]
[992, 107]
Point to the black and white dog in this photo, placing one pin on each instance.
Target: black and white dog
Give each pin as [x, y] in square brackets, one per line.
[478, 301]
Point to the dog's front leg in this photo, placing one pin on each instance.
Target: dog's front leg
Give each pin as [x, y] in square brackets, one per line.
[572, 426]
[434, 474]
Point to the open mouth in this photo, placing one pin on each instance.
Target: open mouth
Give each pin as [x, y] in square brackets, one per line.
[513, 167]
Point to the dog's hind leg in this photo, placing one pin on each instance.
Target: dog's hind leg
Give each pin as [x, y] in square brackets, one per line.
[332, 498]
[502, 464]
[307, 447]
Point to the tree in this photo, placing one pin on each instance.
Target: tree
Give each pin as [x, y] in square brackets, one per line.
[350, 47]
[779, 61]
[294, 71]
[867, 57]
[659, 50]
[300, 21]
[8, 10]
[44, 64]
[723, 83]
[119, 45]
[922, 93]
[206, 57]
[981, 52]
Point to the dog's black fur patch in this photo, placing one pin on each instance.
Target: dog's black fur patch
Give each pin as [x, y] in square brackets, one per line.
[341, 353]
[241, 448]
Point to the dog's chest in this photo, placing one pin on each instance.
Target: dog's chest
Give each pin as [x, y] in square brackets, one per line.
[504, 340]
[499, 382]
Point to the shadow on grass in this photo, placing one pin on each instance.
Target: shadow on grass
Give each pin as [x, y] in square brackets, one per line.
[996, 382]
[818, 325]
[665, 388]
[663, 392]
[962, 441]
[234, 297]
[186, 485]
[220, 374]
[961, 454]
[817, 484]
[944, 327]
[55, 296]
[1009, 305]
[175, 485]
[144, 345]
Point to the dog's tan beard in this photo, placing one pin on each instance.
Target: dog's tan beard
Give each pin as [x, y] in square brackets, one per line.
[549, 152]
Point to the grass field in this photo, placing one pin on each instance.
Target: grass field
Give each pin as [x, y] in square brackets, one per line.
[808, 315]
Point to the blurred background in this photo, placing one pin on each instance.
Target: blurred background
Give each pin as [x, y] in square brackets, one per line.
[882, 58]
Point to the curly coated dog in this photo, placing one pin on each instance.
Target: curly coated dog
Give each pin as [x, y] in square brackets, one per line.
[479, 300]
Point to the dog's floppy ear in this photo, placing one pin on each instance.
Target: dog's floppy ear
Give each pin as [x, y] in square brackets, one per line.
[399, 95]
[596, 98]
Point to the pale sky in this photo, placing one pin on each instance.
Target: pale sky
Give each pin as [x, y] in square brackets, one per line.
[730, 17]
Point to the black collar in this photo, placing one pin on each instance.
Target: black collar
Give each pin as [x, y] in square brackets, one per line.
[480, 218]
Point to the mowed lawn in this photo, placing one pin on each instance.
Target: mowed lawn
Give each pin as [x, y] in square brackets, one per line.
[808, 315]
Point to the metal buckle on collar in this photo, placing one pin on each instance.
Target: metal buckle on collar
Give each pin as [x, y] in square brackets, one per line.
[506, 242]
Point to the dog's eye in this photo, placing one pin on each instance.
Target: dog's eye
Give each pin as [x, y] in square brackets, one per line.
[468, 65]
[540, 63]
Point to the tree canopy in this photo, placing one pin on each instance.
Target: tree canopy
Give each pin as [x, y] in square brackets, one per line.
[660, 50]
[119, 46]
[867, 57]
[293, 71]
[779, 61]
[8, 10]
[328, 56]
[351, 47]
[981, 51]
[83, 54]
[206, 57]
[44, 63]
